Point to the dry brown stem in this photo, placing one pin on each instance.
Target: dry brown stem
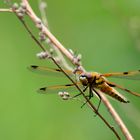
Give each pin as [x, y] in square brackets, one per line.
[6, 10]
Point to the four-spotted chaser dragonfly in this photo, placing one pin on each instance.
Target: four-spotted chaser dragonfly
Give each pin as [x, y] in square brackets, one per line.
[92, 81]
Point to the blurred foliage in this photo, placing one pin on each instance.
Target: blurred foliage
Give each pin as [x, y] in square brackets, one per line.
[106, 33]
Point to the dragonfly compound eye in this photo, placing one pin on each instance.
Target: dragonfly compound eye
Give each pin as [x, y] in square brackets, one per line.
[83, 79]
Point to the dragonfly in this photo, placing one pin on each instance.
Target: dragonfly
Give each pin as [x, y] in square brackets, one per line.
[93, 81]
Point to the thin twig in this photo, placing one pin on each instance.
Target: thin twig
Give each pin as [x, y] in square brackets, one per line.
[6, 10]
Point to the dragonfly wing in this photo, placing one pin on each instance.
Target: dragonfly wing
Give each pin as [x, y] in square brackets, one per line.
[70, 88]
[122, 88]
[132, 75]
[48, 71]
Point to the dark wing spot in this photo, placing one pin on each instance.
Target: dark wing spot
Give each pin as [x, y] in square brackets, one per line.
[125, 73]
[58, 70]
[33, 66]
[139, 70]
[111, 85]
[43, 89]
[68, 85]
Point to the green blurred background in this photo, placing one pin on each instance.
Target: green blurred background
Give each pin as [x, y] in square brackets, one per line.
[106, 33]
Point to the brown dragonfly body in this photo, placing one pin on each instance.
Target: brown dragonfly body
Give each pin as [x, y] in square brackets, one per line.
[98, 81]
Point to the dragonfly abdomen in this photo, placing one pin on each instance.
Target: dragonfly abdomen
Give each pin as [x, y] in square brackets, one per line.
[113, 93]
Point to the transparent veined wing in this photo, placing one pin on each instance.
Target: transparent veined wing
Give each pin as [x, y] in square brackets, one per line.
[59, 88]
[48, 71]
[132, 75]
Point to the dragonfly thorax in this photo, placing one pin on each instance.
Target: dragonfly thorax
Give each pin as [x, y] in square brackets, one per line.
[89, 77]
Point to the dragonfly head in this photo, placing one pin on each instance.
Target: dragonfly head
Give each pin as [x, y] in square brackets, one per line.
[83, 79]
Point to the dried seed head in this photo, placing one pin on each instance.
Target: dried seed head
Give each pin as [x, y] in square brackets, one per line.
[21, 10]
[48, 41]
[75, 61]
[79, 57]
[38, 21]
[42, 36]
[39, 24]
[20, 15]
[23, 5]
[64, 95]
[61, 94]
[15, 6]
[43, 55]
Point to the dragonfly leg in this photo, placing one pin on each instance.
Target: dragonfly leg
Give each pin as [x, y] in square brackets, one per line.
[89, 96]
[90, 91]
[81, 93]
[85, 88]
[76, 95]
